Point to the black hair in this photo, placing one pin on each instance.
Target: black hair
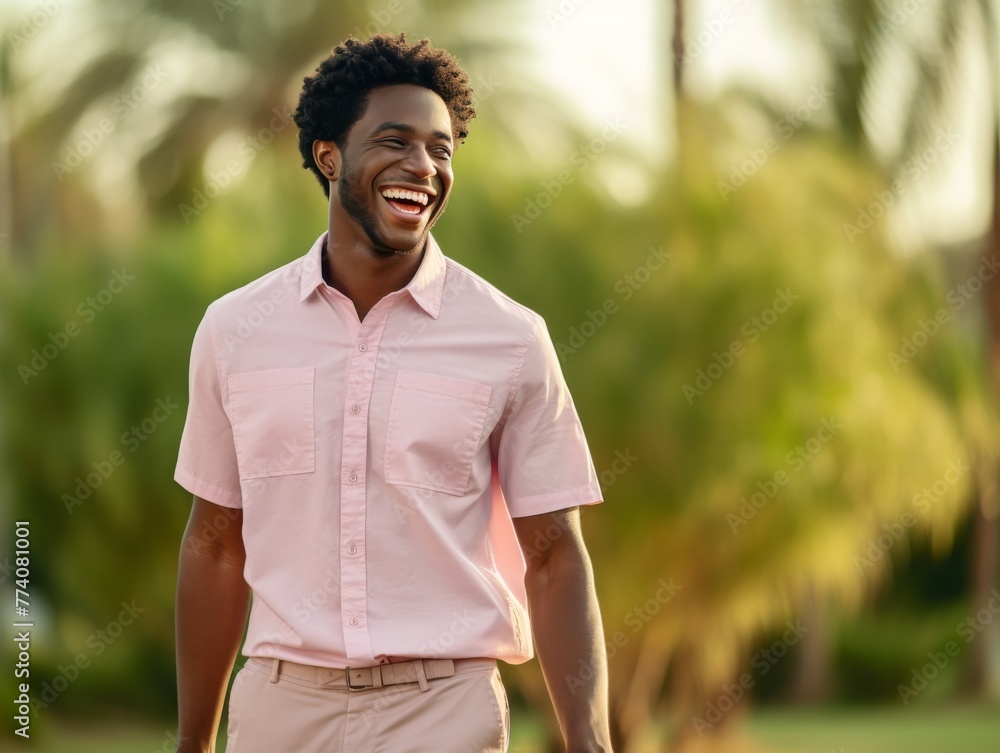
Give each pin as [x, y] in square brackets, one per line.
[335, 97]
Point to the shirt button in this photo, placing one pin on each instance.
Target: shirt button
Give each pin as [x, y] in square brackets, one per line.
[352, 549]
[354, 620]
[355, 409]
[362, 347]
[352, 478]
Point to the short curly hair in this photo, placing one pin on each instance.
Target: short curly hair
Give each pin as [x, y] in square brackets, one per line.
[335, 98]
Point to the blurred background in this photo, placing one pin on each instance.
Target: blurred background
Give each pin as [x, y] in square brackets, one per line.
[763, 233]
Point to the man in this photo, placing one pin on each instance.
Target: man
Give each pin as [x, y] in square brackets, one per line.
[368, 429]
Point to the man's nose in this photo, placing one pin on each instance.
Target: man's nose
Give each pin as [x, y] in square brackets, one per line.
[419, 163]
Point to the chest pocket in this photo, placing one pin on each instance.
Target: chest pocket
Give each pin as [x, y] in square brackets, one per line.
[273, 423]
[435, 425]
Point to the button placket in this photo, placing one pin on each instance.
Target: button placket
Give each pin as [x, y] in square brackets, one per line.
[353, 568]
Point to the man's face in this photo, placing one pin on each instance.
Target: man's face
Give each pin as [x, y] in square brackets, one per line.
[396, 171]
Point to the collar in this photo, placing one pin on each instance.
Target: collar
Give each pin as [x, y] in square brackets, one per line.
[426, 287]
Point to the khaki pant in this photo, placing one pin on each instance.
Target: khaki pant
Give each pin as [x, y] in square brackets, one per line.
[465, 713]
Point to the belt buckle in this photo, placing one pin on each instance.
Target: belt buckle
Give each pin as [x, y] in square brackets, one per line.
[355, 688]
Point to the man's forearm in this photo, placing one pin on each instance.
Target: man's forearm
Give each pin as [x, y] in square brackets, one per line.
[212, 602]
[569, 641]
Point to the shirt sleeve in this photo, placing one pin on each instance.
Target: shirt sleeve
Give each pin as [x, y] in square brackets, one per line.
[543, 461]
[206, 461]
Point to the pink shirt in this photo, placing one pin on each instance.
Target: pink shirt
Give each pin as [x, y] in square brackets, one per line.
[369, 458]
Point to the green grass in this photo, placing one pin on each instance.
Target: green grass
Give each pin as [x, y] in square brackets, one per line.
[76, 738]
[968, 729]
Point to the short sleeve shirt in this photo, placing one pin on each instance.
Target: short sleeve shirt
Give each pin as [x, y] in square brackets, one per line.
[378, 463]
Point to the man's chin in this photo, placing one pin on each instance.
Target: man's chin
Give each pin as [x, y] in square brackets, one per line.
[398, 238]
[399, 244]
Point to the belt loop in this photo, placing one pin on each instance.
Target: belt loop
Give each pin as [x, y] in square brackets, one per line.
[274, 670]
[418, 664]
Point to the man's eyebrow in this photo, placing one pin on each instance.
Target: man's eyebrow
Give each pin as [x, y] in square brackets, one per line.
[390, 125]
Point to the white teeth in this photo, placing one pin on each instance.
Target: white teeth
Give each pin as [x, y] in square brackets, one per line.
[402, 193]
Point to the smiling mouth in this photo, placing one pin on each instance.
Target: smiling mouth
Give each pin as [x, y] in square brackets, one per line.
[407, 203]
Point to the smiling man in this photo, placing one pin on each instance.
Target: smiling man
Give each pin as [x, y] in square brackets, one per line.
[371, 431]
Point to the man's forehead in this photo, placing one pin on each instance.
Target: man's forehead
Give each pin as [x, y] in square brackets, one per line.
[405, 104]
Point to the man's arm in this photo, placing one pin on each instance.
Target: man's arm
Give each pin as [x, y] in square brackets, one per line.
[566, 625]
[212, 603]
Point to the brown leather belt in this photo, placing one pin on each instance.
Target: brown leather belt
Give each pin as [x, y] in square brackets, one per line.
[365, 678]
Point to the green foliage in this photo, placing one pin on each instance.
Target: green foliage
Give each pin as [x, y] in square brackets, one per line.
[677, 511]
[719, 345]
[669, 514]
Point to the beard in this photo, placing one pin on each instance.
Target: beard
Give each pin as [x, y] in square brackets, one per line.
[351, 195]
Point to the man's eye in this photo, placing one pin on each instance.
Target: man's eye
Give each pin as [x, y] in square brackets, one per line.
[394, 142]
[446, 153]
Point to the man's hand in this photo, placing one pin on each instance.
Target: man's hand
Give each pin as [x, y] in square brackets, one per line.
[566, 625]
[212, 603]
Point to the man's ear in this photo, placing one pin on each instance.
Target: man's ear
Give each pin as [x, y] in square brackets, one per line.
[328, 159]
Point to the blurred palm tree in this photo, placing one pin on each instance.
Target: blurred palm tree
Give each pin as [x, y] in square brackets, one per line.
[862, 44]
[915, 55]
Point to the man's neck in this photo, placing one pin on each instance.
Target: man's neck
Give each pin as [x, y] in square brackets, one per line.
[365, 277]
